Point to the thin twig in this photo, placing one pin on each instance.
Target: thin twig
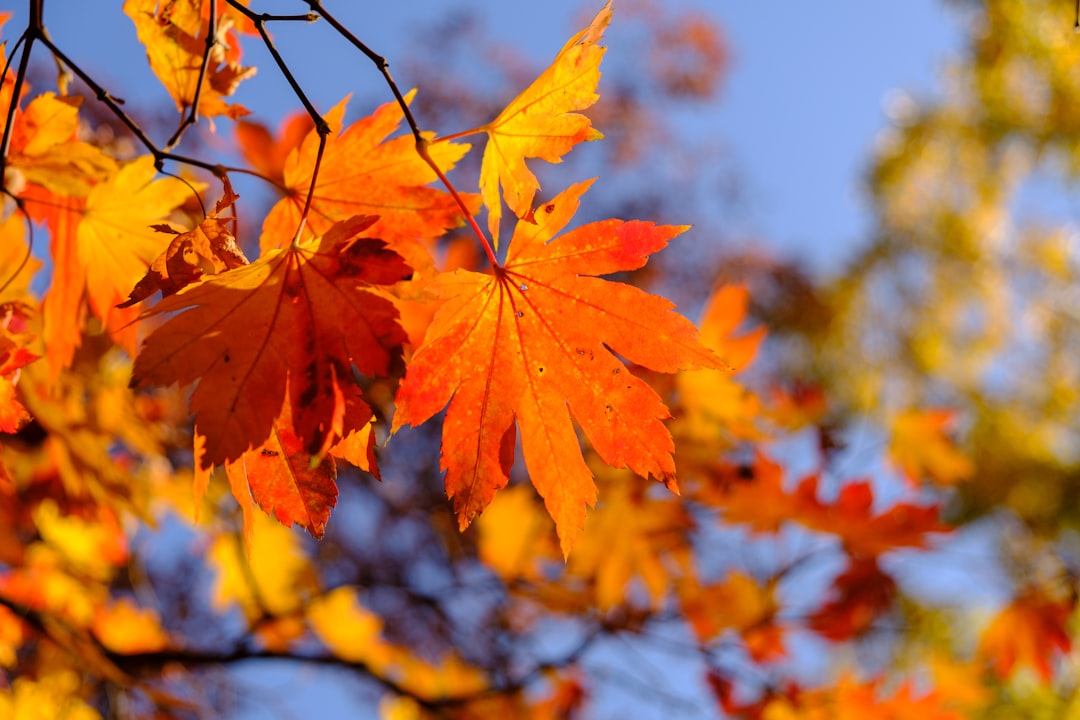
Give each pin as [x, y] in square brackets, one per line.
[193, 114]
[28, 38]
[321, 126]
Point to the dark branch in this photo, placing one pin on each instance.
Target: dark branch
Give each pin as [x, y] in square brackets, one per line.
[193, 114]
[321, 126]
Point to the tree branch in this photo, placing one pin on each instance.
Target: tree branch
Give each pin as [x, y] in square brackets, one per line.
[193, 115]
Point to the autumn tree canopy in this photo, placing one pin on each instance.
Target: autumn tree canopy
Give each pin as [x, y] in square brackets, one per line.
[427, 427]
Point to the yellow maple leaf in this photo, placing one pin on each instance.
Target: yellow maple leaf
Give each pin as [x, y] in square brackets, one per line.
[46, 152]
[101, 247]
[540, 123]
[52, 696]
[921, 448]
[276, 577]
[351, 631]
[515, 534]
[174, 34]
[632, 536]
[714, 404]
[124, 627]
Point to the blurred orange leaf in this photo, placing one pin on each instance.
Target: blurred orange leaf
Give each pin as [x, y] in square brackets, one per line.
[921, 448]
[125, 628]
[739, 603]
[1029, 631]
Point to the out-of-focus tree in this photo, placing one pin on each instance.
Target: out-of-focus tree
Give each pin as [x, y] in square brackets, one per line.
[965, 297]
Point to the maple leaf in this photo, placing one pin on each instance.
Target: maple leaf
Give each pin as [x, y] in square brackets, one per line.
[866, 534]
[515, 535]
[305, 316]
[267, 155]
[174, 34]
[531, 342]
[13, 357]
[125, 628]
[1027, 632]
[921, 448]
[713, 402]
[631, 536]
[209, 247]
[45, 149]
[763, 503]
[540, 123]
[286, 481]
[863, 592]
[739, 603]
[101, 246]
[363, 173]
[273, 576]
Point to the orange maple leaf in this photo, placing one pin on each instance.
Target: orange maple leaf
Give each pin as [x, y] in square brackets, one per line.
[540, 123]
[535, 341]
[738, 603]
[286, 481]
[174, 34]
[304, 316]
[862, 593]
[1027, 632]
[13, 357]
[632, 536]
[714, 404]
[363, 173]
[921, 448]
[763, 503]
[865, 534]
[267, 155]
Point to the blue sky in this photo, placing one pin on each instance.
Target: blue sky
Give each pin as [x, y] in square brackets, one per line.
[801, 106]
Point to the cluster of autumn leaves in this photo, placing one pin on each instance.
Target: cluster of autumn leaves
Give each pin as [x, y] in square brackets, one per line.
[535, 351]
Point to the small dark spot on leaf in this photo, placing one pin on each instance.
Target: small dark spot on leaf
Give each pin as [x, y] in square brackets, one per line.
[549, 208]
[227, 357]
[269, 453]
[519, 314]
[608, 408]
[616, 371]
[540, 370]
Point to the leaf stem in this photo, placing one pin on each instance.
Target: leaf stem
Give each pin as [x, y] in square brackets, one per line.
[422, 150]
[457, 135]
